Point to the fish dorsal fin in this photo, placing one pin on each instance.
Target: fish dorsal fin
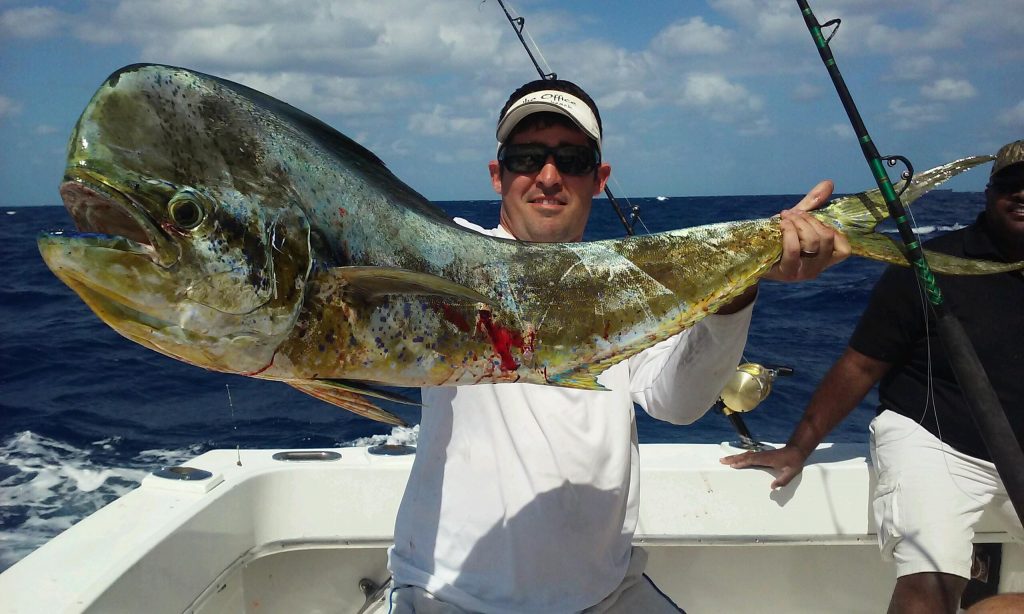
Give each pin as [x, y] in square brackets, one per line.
[344, 396]
[374, 281]
[322, 134]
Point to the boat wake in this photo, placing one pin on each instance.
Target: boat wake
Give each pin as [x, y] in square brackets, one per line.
[400, 435]
[49, 485]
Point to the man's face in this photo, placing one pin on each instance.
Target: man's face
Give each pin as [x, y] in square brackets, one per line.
[547, 206]
[1005, 201]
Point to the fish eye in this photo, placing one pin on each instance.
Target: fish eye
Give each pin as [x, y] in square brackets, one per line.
[185, 211]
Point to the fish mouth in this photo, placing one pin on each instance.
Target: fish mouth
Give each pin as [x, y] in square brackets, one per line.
[100, 209]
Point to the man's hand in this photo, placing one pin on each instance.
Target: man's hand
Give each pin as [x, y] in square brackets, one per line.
[789, 461]
[808, 246]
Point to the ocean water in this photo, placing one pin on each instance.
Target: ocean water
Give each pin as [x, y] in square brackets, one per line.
[86, 414]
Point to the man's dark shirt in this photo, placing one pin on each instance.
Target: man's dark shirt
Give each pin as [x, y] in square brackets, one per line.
[991, 309]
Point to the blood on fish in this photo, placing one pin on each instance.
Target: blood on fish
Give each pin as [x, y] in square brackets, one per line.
[453, 316]
[502, 339]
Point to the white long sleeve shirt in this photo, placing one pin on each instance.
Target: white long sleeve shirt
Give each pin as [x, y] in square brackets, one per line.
[524, 498]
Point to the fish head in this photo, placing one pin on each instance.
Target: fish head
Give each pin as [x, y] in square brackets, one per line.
[189, 241]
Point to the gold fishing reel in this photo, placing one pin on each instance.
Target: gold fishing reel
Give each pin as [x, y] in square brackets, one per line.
[748, 386]
[751, 384]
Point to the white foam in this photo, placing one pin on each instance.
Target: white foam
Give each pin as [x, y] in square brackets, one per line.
[400, 435]
[927, 230]
[52, 485]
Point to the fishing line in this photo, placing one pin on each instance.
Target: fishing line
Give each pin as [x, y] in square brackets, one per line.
[234, 426]
[929, 406]
[518, 24]
[634, 210]
[929, 399]
[979, 396]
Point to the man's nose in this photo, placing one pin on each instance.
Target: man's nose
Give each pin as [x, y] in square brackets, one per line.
[548, 173]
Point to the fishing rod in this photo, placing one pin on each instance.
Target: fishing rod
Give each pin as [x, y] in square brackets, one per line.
[979, 395]
[519, 24]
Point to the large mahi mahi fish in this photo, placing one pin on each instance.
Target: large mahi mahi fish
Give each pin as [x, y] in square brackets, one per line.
[234, 232]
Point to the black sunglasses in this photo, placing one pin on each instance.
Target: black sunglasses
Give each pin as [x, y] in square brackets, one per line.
[1007, 185]
[531, 157]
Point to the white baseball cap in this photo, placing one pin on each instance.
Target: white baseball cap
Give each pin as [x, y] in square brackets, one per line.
[551, 101]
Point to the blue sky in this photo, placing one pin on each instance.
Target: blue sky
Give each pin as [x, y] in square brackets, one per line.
[712, 97]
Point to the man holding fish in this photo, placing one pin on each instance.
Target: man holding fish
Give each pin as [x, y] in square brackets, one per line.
[524, 498]
[234, 232]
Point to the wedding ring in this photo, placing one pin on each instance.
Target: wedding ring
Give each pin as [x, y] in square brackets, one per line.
[806, 254]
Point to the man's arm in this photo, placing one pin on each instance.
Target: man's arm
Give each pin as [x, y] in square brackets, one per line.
[808, 246]
[678, 379]
[843, 387]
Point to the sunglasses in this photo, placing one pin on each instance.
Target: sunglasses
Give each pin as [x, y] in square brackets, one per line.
[528, 158]
[1007, 185]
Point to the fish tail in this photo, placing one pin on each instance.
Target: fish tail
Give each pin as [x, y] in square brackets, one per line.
[857, 215]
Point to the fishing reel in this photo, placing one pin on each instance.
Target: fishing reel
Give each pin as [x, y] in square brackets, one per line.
[749, 385]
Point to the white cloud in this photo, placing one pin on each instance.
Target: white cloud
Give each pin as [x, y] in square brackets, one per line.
[355, 38]
[442, 121]
[45, 129]
[317, 94]
[758, 126]
[838, 131]
[914, 68]
[726, 102]
[767, 20]
[949, 90]
[908, 116]
[31, 22]
[1014, 116]
[713, 92]
[806, 91]
[631, 98]
[8, 107]
[693, 36]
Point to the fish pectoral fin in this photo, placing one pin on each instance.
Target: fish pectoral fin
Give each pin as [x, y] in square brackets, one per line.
[581, 378]
[374, 281]
[886, 249]
[343, 397]
[366, 390]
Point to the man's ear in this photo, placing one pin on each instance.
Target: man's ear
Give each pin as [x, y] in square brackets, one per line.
[604, 171]
[495, 169]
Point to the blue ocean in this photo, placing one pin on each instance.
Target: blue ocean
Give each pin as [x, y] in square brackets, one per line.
[85, 414]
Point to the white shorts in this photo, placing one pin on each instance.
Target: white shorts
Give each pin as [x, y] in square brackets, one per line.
[929, 497]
